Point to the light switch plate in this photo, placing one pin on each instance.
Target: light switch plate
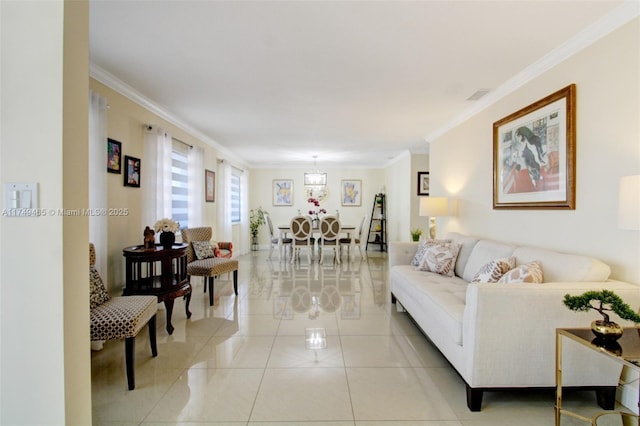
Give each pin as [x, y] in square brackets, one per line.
[19, 197]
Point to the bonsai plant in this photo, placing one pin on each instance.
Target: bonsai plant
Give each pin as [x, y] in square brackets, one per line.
[604, 301]
[415, 234]
[256, 219]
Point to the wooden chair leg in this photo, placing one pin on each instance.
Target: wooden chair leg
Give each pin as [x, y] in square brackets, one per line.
[152, 336]
[129, 351]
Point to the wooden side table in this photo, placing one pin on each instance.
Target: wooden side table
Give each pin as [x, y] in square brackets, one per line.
[160, 272]
[626, 351]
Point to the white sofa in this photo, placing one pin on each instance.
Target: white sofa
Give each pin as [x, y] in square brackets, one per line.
[502, 336]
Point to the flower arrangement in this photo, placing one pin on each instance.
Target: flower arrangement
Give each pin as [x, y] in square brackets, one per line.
[316, 211]
[167, 225]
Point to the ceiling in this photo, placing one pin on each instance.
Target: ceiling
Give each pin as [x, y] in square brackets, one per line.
[355, 83]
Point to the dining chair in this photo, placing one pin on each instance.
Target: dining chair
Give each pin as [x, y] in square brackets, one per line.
[301, 229]
[274, 239]
[330, 235]
[358, 239]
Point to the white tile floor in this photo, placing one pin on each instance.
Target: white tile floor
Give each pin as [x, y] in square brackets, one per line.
[244, 362]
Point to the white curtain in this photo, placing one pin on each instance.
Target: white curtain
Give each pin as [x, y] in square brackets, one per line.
[155, 180]
[244, 213]
[224, 231]
[196, 186]
[98, 179]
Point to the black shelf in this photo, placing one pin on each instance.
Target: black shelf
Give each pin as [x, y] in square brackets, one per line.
[378, 224]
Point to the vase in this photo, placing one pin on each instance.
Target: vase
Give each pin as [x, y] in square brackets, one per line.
[606, 331]
[167, 239]
[315, 223]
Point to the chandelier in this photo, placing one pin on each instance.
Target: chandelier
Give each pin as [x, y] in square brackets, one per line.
[315, 178]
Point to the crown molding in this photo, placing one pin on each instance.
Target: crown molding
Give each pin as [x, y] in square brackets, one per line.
[132, 94]
[608, 23]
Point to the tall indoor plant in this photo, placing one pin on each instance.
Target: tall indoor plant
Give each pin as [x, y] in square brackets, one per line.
[256, 220]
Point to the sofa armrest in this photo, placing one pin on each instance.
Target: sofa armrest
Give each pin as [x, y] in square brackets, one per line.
[511, 327]
[401, 252]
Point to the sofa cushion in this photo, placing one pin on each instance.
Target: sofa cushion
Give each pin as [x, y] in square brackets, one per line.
[494, 270]
[468, 243]
[484, 252]
[527, 273]
[422, 248]
[440, 258]
[562, 267]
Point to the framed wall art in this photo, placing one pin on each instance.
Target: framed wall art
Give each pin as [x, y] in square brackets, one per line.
[209, 186]
[114, 150]
[423, 183]
[351, 192]
[131, 171]
[282, 192]
[534, 152]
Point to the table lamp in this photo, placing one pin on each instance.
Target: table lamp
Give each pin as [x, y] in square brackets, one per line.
[434, 207]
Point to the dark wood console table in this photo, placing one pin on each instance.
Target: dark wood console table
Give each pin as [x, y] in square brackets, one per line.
[160, 272]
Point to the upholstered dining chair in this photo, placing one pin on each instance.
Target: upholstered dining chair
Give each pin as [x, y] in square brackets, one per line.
[301, 230]
[202, 261]
[274, 239]
[358, 239]
[330, 231]
[120, 317]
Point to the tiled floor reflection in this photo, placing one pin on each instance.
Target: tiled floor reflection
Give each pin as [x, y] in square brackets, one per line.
[244, 362]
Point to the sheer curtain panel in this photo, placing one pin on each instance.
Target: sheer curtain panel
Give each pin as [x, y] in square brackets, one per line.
[98, 179]
[156, 176]
[196, 186]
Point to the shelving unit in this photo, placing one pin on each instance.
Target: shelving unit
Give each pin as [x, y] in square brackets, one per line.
[378, 224]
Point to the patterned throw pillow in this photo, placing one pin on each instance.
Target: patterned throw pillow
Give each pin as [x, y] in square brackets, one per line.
[202, 249]
[422, 248]
[97, 293]
[527, 273]
[440, 258]
[494, 270]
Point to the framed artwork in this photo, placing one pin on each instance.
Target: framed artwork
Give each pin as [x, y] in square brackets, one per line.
[423, 183]
[131, 171]
[282, 192]
[114, 150]
[351, 192]
[209, 186]
[534, 152]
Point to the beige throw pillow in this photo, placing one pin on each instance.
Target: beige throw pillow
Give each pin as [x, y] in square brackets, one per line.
[494, 270]
[202, 249]
[527, 273]
[440, 258]
[422, 248]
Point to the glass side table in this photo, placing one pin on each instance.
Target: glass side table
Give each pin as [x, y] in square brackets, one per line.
[625, 350]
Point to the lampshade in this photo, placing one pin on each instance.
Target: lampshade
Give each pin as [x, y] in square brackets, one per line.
[434, 206]
[629, 203]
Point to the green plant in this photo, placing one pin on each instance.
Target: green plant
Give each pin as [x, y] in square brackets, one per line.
[256, 219]
[415, 234]
[605, 301]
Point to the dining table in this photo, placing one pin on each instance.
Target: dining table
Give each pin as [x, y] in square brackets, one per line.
[348, 230]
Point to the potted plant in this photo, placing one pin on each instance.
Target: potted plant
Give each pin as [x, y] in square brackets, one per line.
[256, 219]
[415, 234]
[603, 301]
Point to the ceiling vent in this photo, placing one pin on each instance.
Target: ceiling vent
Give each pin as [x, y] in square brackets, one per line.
[478, 94]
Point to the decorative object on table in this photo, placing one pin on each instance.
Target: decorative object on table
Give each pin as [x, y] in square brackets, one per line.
[131, 171]
[605, 300]
[114, 156]
[315, 212]
[433, 207]
[209, 186]
[149, 238]
[351, 194]
[423, 183]
[415, 234]
[256, 219]
[534, 155]
[282, 192]
[167, 229]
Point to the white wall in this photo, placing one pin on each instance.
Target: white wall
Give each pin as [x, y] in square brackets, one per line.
[398, 178]
[608, 88]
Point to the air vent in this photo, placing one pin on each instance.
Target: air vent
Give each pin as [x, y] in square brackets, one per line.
[478, 94]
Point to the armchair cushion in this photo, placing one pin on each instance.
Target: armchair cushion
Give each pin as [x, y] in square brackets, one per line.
[97, 293]
[203, 249]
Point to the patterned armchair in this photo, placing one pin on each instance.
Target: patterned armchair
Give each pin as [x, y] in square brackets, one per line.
[207, 259]
[120, 317]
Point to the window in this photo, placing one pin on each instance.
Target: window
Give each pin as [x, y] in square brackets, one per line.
[235, 197]
[180, 184]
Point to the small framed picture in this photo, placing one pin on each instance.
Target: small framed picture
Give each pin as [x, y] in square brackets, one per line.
[282, 192]
[132, 171]
[423, 183]
[351, 192]
[210, 186]
[114, 149]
